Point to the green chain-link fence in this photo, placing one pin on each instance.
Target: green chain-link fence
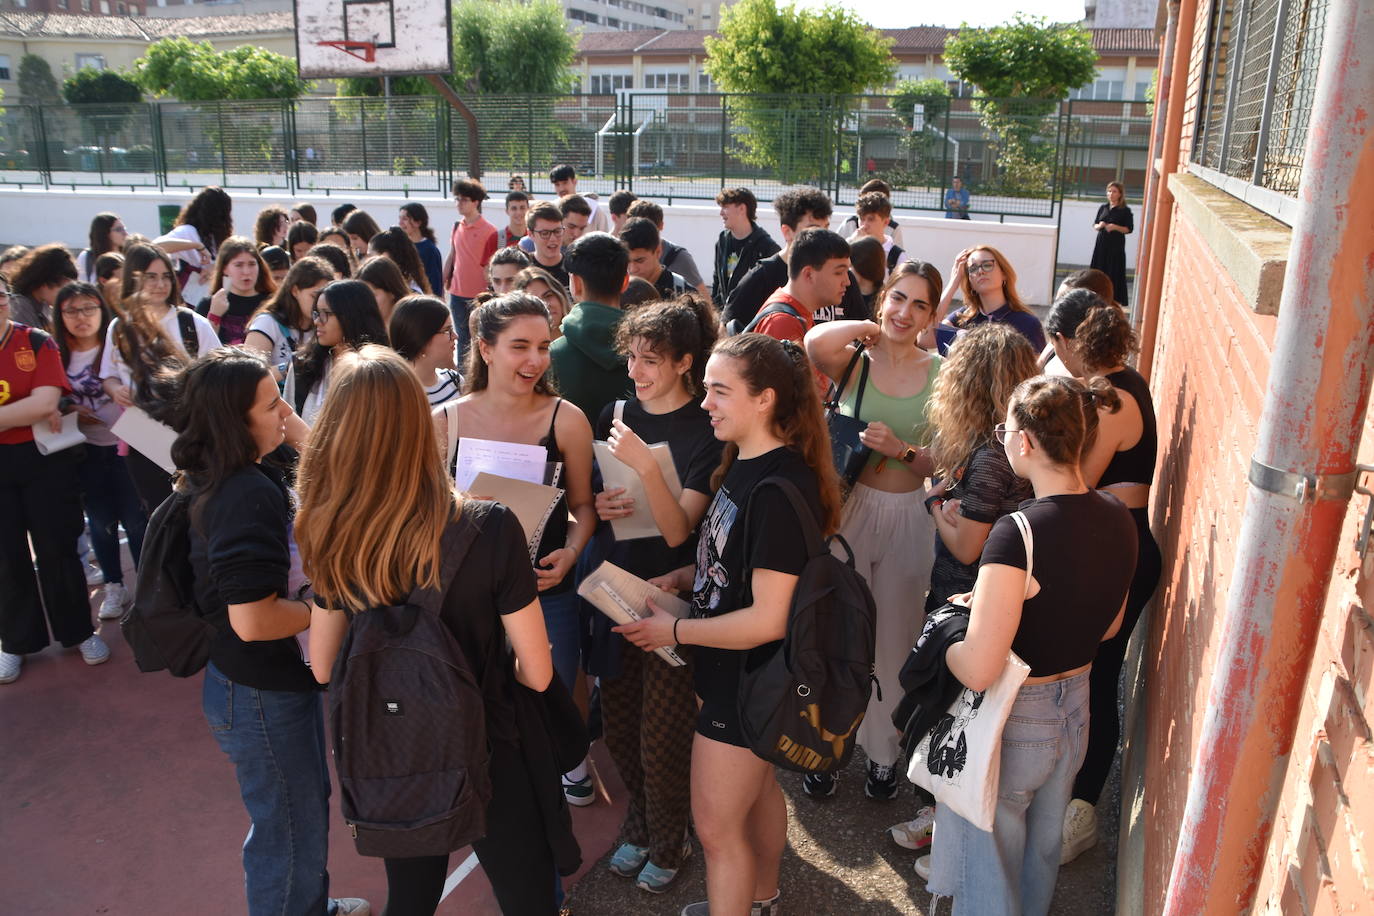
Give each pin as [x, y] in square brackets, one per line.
[1016, 157]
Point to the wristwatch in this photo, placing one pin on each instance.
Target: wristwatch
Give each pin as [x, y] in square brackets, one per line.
[909, 455]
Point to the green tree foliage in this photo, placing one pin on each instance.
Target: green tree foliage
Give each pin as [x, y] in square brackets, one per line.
[196, 72]
[1023, 69]
[498, 48]
[90, 85]
[798, 68]
[35, 79]
[933, 94]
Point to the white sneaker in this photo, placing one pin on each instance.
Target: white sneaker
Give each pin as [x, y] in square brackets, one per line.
[915, 833]
[116, 597]
[93, 574]
[94, 651]
[1080, 830]
[10, 666]
[923, 868]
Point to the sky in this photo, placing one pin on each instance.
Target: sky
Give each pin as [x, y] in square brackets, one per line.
[885, 14]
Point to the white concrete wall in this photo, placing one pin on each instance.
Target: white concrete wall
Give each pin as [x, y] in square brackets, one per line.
[36, 216]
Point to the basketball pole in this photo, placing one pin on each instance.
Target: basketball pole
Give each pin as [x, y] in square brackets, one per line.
[474, 153]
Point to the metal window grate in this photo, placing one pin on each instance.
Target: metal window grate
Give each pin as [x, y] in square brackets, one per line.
[1258, 86]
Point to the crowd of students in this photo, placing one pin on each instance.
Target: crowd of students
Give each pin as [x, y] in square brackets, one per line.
[319, 378]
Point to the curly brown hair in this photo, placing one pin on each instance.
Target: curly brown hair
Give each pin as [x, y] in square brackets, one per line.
[1100, 332]
[683, 327]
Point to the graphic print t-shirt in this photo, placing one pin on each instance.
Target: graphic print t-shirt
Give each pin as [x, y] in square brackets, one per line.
[87, 392]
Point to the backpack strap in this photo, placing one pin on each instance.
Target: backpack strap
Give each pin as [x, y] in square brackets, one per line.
[458, 538]
[832, 401]
[772, 309]
[190, 335]
[619, 413]
[38, 337]
[815, 543]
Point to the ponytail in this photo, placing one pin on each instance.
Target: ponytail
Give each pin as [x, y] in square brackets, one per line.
[764, 362]
[686, 326]
[1101, 333]
[1062, 413]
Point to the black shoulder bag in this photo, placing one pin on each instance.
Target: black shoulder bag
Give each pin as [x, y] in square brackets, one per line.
[847, 450]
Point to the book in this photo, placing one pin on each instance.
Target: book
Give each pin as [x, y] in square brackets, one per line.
[48, 441]
[532, 503]
[624, 597]
[616, 473]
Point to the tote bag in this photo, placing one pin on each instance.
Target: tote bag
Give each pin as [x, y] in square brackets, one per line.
[960, 761]
[846, 448]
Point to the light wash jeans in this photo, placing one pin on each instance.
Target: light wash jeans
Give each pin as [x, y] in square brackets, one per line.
[275, 739]
[1012, 870]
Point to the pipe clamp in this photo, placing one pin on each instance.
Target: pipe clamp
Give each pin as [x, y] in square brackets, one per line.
[1305, 488]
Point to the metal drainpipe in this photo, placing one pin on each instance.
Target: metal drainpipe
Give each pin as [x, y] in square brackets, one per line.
[1176, 79]
[1301, 477]
[1152, 179]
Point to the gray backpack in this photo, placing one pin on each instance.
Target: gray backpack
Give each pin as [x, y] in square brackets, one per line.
[409, 721]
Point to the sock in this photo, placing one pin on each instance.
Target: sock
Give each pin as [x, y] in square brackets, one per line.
[577, 773]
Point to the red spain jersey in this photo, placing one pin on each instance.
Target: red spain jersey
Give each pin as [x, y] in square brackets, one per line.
[22, 370]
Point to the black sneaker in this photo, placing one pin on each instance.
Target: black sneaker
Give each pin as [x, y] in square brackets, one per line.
[881, 784]
[819, 785]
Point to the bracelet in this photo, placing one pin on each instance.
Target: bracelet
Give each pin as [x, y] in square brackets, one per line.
[213, 319]
[676, 621]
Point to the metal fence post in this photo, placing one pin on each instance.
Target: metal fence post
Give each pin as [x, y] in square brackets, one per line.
[158, 144]
[41, 133]
[724, 134]
[362, 131]
[223, 145]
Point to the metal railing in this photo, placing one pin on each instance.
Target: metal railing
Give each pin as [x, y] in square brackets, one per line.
[1016, 157]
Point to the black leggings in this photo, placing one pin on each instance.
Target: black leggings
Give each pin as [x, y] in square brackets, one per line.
[151, 481]
[1104, 729]
[513, 853]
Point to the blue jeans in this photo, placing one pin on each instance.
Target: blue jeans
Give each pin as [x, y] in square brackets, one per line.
[111, 501]
[275, 739]
[1013, 869]
[562, 616]
[461, 306]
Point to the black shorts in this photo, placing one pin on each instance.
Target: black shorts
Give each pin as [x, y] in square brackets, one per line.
[716, 679]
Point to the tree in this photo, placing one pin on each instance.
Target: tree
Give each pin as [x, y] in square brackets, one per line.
[196, 72]
[114, 93]
[781, 60]
[36, 83]
[498, 48]
[931, 94]
[1023, 69]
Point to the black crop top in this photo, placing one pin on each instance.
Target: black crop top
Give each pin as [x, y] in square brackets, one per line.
[1137, 463]
[1085, 551]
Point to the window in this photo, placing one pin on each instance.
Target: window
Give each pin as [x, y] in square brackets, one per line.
[5, 67]
[671, 82]
[582, 16]
[608, 83]
[1103, 90]
[94, 61]
[1259, 81]
[85, 6]
[705, 83]
[1142, 91]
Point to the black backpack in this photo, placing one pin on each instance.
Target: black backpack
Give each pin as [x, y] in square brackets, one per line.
[164, 626]
[772, 308]
[409, 722]
[801, 709]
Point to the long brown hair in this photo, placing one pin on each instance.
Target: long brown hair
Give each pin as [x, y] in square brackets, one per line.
[266, 224]
[765, 362]
[973, 304]
[146, 349]
[488, 321]
[913, 268]
[282, 304]
[234, 246]
[368, 539]
[971, 392]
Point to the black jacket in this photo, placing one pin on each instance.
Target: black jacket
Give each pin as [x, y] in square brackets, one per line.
[928, 686]
[770, 275]
[758, 245]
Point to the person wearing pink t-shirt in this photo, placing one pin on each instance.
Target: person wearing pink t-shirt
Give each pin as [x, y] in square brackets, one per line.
[470, 250]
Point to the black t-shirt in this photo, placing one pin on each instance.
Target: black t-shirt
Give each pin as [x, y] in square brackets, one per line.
[770, 275]
[987, 490]
[696, 455]
[494, 579]
[243, 556]
[727, 553]
[233, 324]
[559, 270]
[1085, 551]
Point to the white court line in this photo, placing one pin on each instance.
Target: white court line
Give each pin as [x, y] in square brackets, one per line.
[459, 873]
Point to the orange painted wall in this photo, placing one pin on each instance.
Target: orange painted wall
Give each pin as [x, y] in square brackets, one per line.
[1210, 375]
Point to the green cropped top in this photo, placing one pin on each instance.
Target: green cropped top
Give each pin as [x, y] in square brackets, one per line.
[906, 417]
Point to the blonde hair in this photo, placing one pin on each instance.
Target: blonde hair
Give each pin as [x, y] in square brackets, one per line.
[973, 303]
[368, 538]
[971, 392]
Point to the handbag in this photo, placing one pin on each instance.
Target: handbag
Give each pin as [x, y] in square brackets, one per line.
[960, 760]
[846, 448]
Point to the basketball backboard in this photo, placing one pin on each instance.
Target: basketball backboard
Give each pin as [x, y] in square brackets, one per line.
[336, 38]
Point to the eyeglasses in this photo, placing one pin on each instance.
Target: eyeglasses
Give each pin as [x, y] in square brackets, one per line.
[981, 267]
[81, 312]
[319, 316]
[157, 278]
[452, 334]
[549, 233]
[118, 229]
[1000, 432]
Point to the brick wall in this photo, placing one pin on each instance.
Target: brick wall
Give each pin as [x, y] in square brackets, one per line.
[1210, 374]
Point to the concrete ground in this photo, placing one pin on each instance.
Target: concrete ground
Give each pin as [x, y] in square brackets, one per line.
[841, 862]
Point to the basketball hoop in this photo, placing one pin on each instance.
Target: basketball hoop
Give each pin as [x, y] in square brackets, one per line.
[363, 50]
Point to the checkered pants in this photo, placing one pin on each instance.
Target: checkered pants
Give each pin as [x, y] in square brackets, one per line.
[649, 713]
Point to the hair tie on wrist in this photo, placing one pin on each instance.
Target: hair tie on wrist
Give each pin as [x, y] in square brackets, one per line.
[676, 621]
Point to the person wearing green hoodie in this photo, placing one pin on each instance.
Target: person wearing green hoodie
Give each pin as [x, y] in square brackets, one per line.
[587, 367]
